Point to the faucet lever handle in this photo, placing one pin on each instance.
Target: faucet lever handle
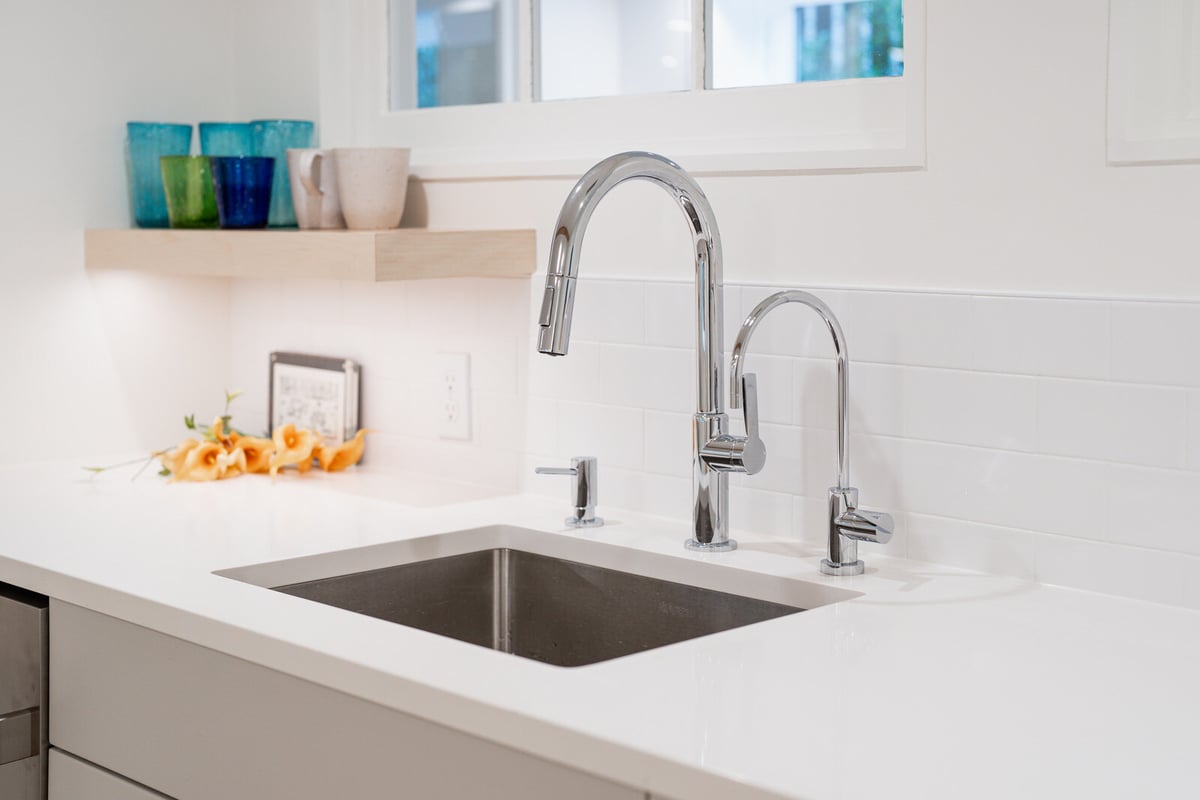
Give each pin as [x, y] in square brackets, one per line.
[866, 526]
[750, 405]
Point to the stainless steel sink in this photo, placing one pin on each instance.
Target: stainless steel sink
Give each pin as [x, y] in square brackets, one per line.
[550, 598]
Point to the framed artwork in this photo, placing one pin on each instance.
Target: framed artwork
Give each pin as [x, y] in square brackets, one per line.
[315, 392]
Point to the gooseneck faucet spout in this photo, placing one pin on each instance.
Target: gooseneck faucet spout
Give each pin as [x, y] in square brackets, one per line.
[715, 452]
[848, 525]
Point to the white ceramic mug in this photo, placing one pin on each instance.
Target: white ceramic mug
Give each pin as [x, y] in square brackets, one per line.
[313, 174]
[372, 183]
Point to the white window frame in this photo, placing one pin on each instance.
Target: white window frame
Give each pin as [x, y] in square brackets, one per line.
[860, 124]
[1153, 81]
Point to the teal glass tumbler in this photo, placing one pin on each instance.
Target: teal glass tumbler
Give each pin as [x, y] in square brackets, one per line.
[145, 144]
[226, 139]
[273, 138]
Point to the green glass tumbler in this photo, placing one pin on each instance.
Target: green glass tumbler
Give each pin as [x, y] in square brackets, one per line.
[188, 184]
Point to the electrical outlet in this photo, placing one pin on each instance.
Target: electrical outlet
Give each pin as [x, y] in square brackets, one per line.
[454, 395]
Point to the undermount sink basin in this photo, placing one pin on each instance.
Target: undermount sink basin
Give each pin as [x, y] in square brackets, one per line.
[546, 597]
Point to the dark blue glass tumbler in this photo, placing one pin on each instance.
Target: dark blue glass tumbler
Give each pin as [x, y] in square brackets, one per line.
[243, 189]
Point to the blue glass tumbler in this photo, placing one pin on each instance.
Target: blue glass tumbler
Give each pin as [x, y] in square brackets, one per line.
[273, 138]
[243, 188]
[145, 144]
[226, 139]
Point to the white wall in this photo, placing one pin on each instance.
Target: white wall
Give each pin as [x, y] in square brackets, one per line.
[98, 363]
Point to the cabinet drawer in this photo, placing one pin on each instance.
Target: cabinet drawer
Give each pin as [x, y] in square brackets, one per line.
[72, 779]
[197, 724]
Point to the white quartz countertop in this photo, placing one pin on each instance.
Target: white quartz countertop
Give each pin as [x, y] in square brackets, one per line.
[934, 683]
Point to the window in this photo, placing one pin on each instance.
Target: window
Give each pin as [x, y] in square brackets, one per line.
[465, 51]
[511, 88]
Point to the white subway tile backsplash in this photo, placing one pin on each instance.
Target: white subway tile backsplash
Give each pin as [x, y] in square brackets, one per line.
[815, 392]
[970, 545]
[668, 443]
[1193, 431]
[541, 425]
[760, 511]
[1110, 568]
[1154, 508]
[1034, 437]
[575, 376]
[612, 312]
[671, 315]
[435, 307]
[645, 377]
[1156, 343]
[497, 421]
[1075, 338]
[927, 330]
[1112, 421]
[877, 399]
[507, 306]
[974, 408]
[1037, 336]
[612, 434]
[662, 495]
[1036, 492]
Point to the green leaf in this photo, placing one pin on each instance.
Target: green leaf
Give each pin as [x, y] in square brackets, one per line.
[190, 422]
[231, 396]
[164, 472]
[95, 469]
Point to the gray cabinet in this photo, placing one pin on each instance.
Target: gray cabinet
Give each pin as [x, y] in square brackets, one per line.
[193, 723]
[22, 694]
[73, 779]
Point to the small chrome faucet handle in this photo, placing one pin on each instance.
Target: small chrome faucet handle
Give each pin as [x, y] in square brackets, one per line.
[866, 526]
[729, 453]
[585, 471]
[750, 405]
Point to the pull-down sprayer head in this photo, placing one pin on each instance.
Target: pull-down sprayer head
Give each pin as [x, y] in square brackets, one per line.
[562, 271]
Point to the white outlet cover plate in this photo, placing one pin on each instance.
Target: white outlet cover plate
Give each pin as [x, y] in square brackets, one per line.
[452, 382]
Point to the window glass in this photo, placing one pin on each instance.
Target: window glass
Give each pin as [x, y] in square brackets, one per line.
[453, 52]
[594, 48]
[763, 42]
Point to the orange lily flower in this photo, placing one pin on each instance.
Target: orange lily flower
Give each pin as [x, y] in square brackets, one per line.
[256, 451]
[173, 459]
[208, 461]
[292, 447]
[336, 459]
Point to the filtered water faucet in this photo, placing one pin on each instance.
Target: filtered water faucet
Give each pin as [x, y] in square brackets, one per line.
[848, 524]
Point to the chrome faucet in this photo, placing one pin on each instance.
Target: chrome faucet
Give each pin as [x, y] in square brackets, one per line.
[848, 524]
[715, 452]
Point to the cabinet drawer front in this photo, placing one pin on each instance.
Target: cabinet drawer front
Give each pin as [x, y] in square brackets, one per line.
[72, 779]
[197, 724]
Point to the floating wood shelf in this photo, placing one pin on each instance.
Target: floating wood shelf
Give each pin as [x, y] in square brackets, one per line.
[395, 255]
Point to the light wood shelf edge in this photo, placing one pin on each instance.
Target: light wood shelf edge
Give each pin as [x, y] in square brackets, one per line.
[401, 254]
